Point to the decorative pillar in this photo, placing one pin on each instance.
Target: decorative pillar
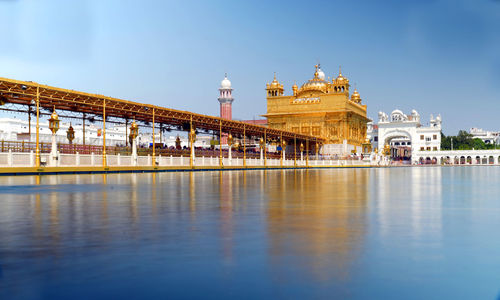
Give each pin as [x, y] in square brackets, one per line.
[37, 151]
[192, 137]
[153, 161]
[295, 151]
[307, 153]
[283, 153]
[261, 143]
[265, 147]
[220, 143]
[281, 156]
[244, 147]
[229, 149]
[104, 163]
[83, 128]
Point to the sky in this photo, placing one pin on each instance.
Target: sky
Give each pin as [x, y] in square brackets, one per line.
[435, 56]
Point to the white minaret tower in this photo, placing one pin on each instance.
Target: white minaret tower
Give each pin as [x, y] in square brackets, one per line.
[226, 99]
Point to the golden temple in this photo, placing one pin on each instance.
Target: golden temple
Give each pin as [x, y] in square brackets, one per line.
[320, 108]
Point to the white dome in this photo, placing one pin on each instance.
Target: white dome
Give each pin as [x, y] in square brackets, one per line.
[225, 83]
[321, 74]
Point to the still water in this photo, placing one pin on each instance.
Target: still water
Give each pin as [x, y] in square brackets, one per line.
[400, 233]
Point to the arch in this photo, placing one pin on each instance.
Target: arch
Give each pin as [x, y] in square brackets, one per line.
[478, 160]
[392, 134]
[434, 160]
[498, 160]
[491, 160]
[462, 160]
[469, 160]
[484, 160]
[456, 160]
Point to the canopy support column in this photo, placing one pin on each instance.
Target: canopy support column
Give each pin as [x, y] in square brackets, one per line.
[153, 160]
[83, 128]
[307, 153]
[104, 163]
[37, 151]
[244, 147]
[295, 151]
[265, 148]
[220, 143]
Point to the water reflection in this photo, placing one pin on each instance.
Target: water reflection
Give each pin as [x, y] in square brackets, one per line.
[330, 230]
[318, 219]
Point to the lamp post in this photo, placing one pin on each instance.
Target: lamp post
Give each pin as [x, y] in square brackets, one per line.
[54, 127]
[70, 134]
[229, 146]
[134, 132]
[192, 139]
[283, 146]
[301, 152]
[261, 143]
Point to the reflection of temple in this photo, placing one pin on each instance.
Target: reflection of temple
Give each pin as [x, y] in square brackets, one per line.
[320, 108]
[318, 216]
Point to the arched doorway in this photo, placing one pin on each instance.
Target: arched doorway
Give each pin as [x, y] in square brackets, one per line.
[400, 143]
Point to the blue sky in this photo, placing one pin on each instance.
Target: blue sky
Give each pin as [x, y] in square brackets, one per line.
[432, 56]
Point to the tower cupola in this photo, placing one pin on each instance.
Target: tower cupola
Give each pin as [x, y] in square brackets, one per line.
[226, 98]
[274, 88]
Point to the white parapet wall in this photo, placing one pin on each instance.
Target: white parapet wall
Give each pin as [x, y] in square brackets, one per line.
[27, 159]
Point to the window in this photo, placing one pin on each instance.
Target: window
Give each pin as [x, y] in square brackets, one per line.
[434, 137]
[435, 148]
[428, 139]
[421, 148]
[428, 148]
[421, 136]
[375, 139]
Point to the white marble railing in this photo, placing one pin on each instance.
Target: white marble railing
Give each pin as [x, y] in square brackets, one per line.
[23, 159]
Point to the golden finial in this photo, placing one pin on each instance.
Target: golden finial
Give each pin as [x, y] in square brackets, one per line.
[340, 70]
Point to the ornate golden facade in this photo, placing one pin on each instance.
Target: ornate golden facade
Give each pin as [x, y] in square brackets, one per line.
[319, 107]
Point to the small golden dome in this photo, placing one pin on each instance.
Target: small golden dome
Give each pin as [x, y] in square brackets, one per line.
[275, 83]
[341, 78]
[54, 115]
[355, 97]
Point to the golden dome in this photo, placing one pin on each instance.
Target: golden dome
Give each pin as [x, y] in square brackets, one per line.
[317, 83]
[54, 115]
[275, 83]
[341, 78]
[355, 97]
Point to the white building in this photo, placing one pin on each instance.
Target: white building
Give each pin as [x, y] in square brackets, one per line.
[488, 137]
[405, 134]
